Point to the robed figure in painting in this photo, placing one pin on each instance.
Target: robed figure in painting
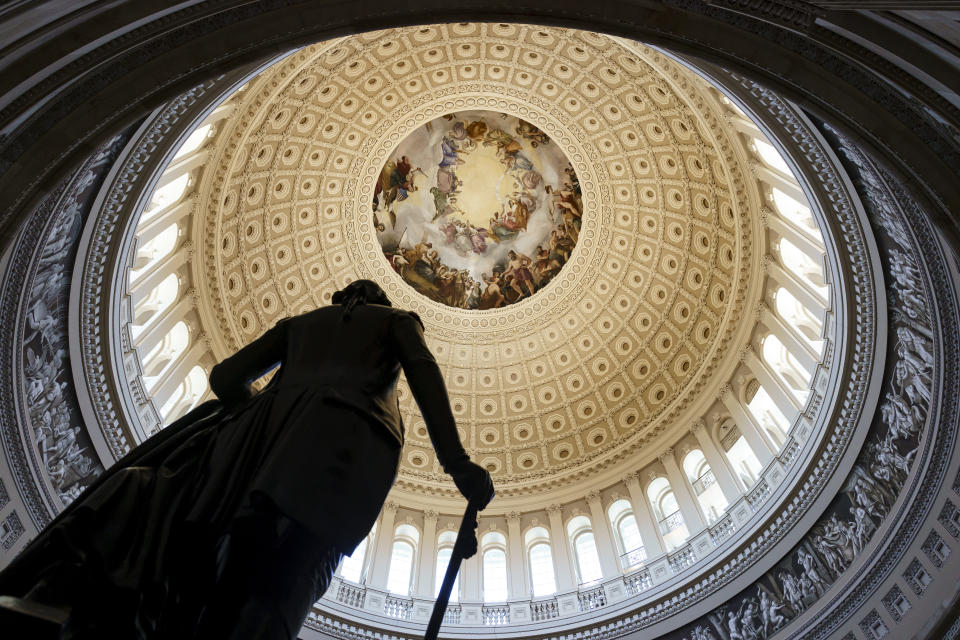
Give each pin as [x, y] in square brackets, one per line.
[230, 522]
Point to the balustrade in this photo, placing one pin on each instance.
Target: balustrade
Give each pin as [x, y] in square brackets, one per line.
[681, 559]
[703, 483]
[592, 599]
[671, 522]
[633, 557]
[758, 494]
[452, 614]
[721, 529]
[351, 595]
[544, 610]
[495, 615]
[638, 582]
[398, 608]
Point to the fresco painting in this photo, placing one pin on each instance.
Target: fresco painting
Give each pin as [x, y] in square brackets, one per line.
[477, 209]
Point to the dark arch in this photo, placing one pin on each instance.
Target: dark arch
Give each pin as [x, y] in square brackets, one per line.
[72, 78]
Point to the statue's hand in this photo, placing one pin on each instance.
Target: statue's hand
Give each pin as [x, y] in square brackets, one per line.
[474, 483]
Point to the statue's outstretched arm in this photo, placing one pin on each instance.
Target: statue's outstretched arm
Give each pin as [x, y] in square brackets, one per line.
[231, 379]
[430, 392]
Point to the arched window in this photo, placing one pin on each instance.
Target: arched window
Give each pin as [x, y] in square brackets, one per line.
[351, 567]
[743, 460]
[627, 533]
[796, 212]
[444, 550]
[787, 367]
[540, 559]
[797, 315]
[667, 512]
[802, 265]
[585, 552]
[765, 410]
[154, 251]
[156, 302]
[167, 195]
[405, 541]
[493, 547]
[165, 352]
[769, 154]
[705, 487]
[194, 141]
[186, 396]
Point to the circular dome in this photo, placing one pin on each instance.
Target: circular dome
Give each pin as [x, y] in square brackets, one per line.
[407, 143]
[477, 209]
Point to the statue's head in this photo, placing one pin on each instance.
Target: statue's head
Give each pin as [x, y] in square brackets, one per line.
[361, 292]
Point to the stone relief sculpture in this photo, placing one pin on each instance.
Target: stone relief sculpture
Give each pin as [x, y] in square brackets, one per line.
[56, 427]
[840, 536]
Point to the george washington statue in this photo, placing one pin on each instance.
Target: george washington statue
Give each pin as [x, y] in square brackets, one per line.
[230, 522]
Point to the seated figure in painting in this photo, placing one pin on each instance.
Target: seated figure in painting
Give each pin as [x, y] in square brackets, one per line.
[230, 522]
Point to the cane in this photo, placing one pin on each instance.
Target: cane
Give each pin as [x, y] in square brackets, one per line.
[463, 548]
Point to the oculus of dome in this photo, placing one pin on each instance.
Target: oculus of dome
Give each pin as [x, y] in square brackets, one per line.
[477, 209]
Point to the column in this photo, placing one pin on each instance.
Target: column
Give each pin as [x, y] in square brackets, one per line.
[516, 558]
[718, 462]
[689, 506]
[778, 391]
[384, 546]
[561, 549]
[758, 440]
[798, 347]
[606, 548]
[649, 530]
[426, 567]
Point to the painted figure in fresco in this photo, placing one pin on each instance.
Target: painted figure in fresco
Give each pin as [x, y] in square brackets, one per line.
[492, 296]
[505, 143]
[518, 273]
[478, 239]
[560, 246]
[500, 231]
[443, 203]
[532, 133]
[517, 213]
[394, 185]
[450, 153]
[702, 633]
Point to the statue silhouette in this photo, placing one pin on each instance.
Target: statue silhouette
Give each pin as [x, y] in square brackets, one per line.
[230, 522]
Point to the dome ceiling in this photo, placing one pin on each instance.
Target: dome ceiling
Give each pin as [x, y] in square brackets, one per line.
[608, 352]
